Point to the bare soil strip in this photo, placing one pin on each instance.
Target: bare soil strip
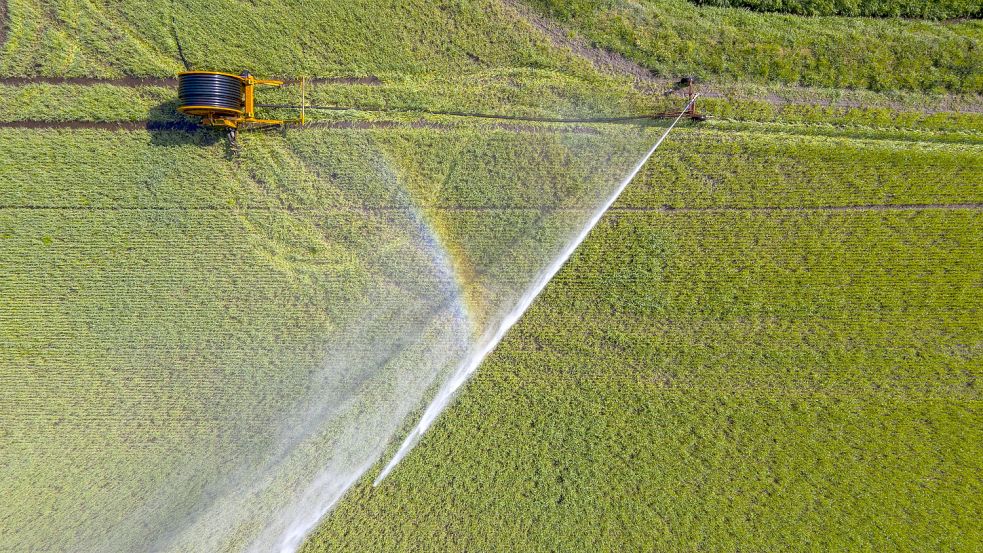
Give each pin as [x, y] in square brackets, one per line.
[819, 208]
[544, 208]
[616, 64]
[111, 126]
[3, 21]
[163, 81]
[604, 60]
[189, 127]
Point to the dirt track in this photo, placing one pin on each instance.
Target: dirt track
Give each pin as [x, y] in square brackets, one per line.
[112, 126]
[604, 60]
[615, 209]
[181, 126]
[169, 82]
[818, 208]
[3, 21]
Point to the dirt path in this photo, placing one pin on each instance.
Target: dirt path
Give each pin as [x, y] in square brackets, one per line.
[165, 81]
[181, 126]
[111, 126]
[604, 60]
[541, 209]
[820, 208]
[3, 22]
[614, 63]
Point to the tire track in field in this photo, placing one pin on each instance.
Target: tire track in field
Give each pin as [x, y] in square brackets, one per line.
[971, 206]
[184, 126]
[602, 59]
[467, 209]
[190, 127]
[947, 103]
[3, 22]
[170, 82]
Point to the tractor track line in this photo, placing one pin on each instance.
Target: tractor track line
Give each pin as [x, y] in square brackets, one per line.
[105, 125]
[968, 206]
[3, 22]
[604, 60]
[169, 82]
[511, 125]
[616, 209]
[646, 80]
[658, 82]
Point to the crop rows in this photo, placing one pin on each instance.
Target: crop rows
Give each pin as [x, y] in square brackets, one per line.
[927, 9]
[677, 37]
[142, 317]
[153, 38]
[668, 470]
[690, 378]
[629, 391]
[529, 94]
[669, 37]
[772, 342]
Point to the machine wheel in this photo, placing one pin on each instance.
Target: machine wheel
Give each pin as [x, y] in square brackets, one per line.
[233, 143]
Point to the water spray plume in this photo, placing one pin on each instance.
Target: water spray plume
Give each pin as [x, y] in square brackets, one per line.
[488, 344]
[281, 346]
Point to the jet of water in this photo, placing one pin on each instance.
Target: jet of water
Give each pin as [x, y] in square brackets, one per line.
[280, 345]
[491, 340]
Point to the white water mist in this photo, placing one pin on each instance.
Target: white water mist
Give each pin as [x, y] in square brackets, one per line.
[365, 276]
[488, 343]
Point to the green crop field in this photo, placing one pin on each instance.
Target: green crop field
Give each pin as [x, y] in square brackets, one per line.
[929, 9]
[772, 341]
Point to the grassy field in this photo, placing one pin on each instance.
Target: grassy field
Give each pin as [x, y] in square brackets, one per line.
[762, 367]
[60, 38]
[927, 9]
[772, 342]
[675, 36]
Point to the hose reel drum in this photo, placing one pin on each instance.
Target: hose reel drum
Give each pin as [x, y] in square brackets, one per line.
[225, 100]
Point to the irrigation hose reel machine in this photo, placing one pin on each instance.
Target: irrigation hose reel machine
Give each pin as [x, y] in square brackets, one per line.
[227, 101]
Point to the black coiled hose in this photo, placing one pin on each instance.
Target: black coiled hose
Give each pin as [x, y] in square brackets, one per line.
[210, 90]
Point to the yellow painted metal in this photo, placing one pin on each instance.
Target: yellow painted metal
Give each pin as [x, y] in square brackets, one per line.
[248, 100]
[303, 99]
[231, 118]
[210, 73]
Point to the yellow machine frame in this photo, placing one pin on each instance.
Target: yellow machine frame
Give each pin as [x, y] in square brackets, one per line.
[234, 119]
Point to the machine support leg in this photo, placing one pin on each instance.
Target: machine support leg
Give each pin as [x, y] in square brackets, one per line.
[233, 142]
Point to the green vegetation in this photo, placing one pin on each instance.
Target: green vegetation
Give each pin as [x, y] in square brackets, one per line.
[772, 342]
[926, 9]
[862, 323]
[253, 268]
[670, 37]
[527, 93]
[673, 37]
[362, 37]
[822, 362]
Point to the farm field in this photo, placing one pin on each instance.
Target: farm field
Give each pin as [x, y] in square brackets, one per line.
[765, 367]
[927, 9]
[771, 342]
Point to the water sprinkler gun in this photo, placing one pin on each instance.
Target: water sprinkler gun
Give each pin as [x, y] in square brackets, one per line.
[690, 112]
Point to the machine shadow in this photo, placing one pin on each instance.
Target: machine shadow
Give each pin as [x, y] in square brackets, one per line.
[169, 128]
